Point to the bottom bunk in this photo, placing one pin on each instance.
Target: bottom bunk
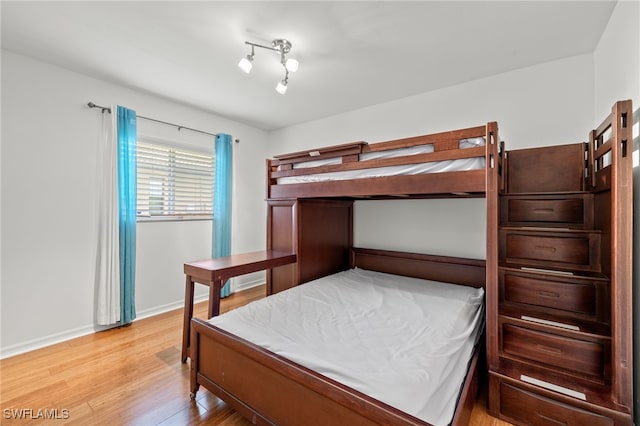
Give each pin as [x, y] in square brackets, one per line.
[360, 347]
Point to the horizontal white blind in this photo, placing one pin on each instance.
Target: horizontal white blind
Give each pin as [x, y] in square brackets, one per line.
[174, 182]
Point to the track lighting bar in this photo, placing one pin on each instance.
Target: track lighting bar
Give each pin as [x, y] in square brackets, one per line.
[281, 46]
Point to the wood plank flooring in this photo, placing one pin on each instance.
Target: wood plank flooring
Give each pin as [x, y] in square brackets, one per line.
[125, 376]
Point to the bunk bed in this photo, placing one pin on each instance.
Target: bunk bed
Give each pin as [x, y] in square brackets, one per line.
[310, 197]
[452, 162]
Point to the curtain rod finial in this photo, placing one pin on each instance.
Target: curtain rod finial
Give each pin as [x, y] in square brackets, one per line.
[92, 105]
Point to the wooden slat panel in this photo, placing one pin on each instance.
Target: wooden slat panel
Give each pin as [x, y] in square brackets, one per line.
[434, 183]
[435, 138]
[328, 151]
[385, 162]
[470, 272]
[602, 149]
[549, 169]
[606, 123]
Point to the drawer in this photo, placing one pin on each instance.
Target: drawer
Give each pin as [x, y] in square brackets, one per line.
[550, 292]
[525, 407]
[573, 251]
[564, 211]
[545, 210]
[578, 250]
[560, 352]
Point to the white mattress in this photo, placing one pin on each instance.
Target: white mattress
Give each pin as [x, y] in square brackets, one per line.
[404, 341]
[463, 164]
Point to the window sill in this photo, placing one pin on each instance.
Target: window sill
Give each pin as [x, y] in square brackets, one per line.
[172, 219]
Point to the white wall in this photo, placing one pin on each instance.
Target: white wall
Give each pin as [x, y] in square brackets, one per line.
[555, 97]
[617, 77]
[432, 231]
[49, 140]
[617, 59]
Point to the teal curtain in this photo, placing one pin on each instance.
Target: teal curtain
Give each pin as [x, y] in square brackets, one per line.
[222, 202]
[127, 138]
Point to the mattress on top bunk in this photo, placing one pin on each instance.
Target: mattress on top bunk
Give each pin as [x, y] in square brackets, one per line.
[463, 164]
[404, 341]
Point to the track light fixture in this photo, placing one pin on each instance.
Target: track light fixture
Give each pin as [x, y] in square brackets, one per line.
[282, 85]
[283, 47]
[245, 63]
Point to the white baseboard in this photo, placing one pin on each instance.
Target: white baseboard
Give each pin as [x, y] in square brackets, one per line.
[151, 312]
[247, 284]
[31, 345]
[53, 339]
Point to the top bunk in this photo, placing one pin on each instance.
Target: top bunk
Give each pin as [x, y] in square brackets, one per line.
[456, 163]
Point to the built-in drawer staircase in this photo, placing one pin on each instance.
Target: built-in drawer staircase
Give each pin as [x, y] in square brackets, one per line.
[553, 360]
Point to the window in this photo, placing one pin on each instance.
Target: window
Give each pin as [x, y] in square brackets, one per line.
[174, 183]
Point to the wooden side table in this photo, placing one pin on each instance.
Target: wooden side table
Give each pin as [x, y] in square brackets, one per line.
[215, 272]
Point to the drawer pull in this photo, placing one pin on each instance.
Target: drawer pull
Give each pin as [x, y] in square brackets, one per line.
[546, 248]
[544, 211]
[549, 350]
[548, 294]
[552, 420]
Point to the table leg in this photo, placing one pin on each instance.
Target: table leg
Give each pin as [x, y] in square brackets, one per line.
[214, 298]
[188, 314]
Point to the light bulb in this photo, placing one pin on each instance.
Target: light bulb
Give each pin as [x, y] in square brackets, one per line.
[292, 65]
[245, 63]
[282, 87]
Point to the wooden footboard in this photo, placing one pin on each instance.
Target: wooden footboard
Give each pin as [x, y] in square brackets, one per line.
[269, 389]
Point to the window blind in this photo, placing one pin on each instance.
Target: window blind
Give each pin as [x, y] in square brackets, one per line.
[173, 182]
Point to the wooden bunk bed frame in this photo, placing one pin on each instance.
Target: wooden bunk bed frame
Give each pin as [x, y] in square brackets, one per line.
[314, 221]
[445, 147]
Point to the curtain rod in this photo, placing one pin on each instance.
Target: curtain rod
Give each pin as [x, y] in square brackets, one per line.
[92, 105]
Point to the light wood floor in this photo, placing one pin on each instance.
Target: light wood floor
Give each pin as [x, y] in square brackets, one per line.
[125, 376]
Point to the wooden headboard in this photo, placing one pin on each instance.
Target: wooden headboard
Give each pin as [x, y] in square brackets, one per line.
[455, 270]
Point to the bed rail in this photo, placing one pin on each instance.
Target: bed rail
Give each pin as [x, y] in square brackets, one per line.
[609, 144]
[610, 162]
[362, 156]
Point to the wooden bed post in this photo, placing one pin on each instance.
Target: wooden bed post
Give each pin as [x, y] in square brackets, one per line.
[268, 192]
[621, 253]
[492, 183]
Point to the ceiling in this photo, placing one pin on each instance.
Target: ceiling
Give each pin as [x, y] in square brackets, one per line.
[351, 54]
